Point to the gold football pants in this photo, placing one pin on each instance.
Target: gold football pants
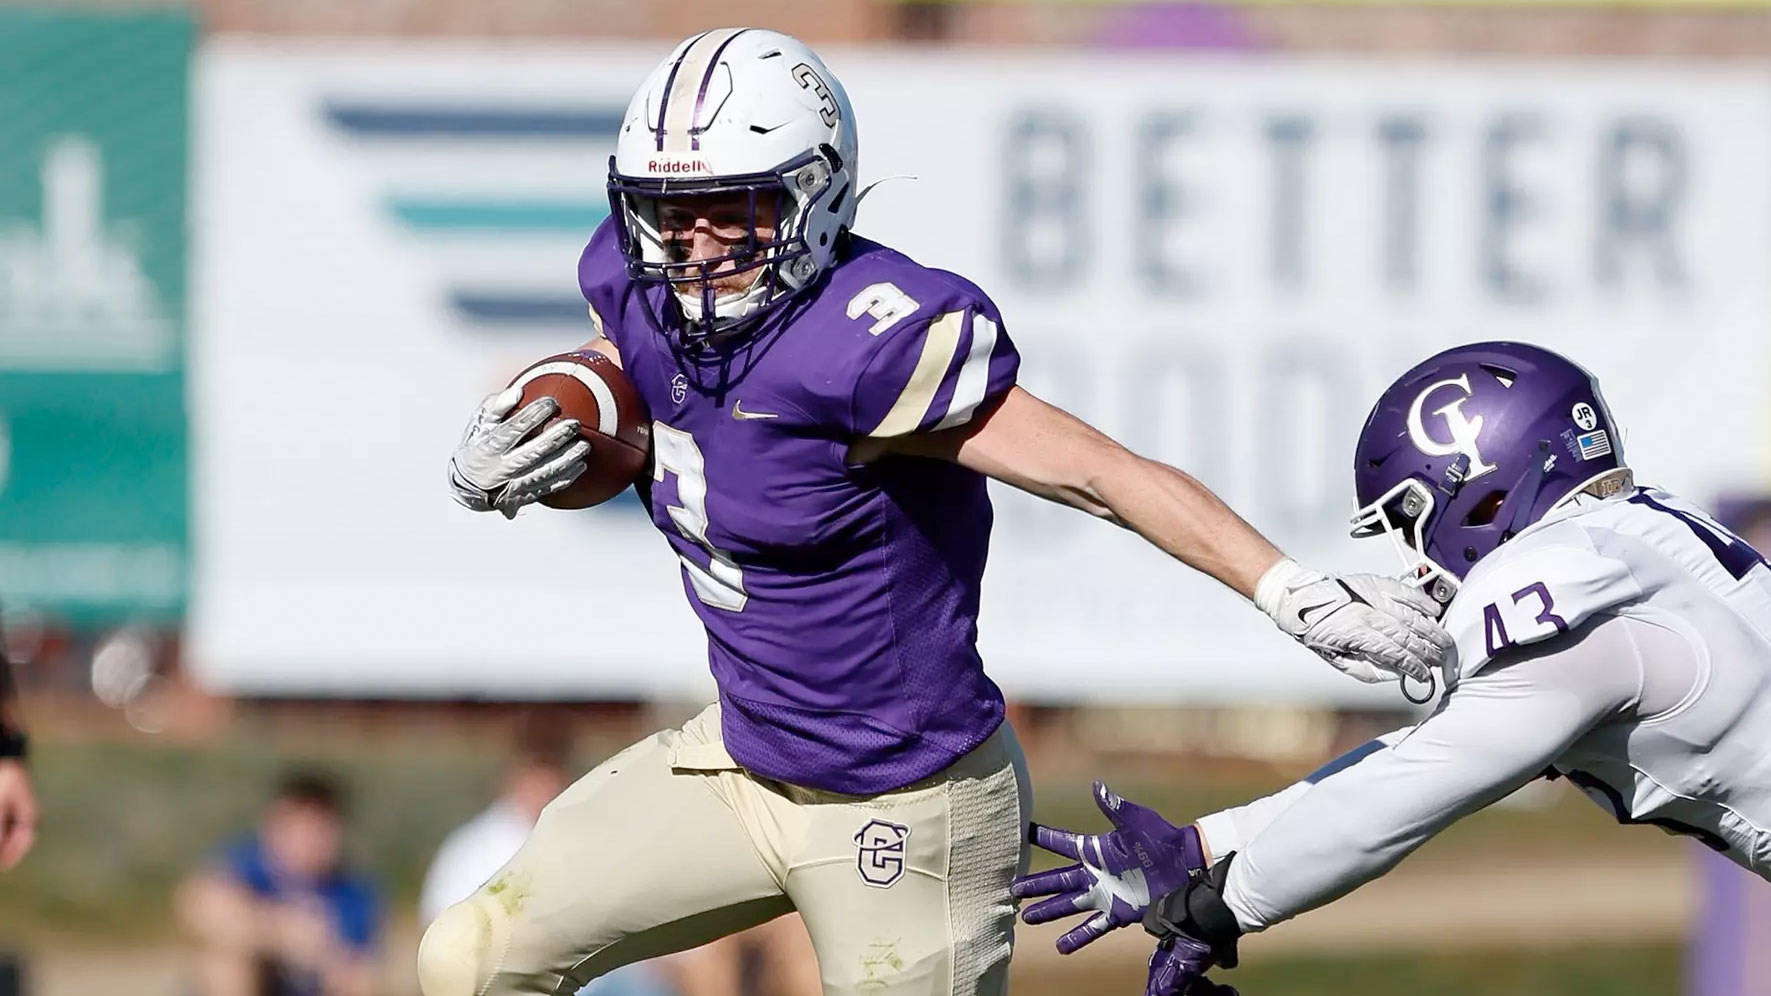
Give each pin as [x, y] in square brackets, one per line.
[670, 844]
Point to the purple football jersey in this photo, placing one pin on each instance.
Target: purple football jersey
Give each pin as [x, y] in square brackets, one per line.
[840, 601]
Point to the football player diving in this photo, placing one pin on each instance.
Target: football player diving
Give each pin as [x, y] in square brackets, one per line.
[826, 414]
[1609, 634]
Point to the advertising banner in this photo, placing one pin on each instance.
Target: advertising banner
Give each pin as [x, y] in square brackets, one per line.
[1220, 263]
[93, 468]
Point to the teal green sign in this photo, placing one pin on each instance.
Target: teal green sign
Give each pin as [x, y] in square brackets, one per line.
[94, 520]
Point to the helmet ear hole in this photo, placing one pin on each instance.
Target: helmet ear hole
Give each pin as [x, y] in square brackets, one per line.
[1486, 509]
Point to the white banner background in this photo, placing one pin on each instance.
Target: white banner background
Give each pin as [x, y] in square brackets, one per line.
[1219, 262]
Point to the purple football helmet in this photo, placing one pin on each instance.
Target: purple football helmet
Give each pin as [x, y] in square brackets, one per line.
[1475, 444]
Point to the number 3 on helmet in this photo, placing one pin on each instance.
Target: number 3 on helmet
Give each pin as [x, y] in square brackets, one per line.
[738, 112]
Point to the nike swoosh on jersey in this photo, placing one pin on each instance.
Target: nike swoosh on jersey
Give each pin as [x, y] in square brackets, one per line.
[739, 413]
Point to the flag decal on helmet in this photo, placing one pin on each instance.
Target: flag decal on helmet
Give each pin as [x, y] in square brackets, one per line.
[1594, 444]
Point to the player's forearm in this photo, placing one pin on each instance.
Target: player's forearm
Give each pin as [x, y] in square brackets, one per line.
[1178, 514]
[1184, 518]
[1354, 828]
[1046, 451]
[1498, 731]
[1231, 829]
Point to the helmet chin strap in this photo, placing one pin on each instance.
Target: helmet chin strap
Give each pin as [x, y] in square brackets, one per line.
[727, 308]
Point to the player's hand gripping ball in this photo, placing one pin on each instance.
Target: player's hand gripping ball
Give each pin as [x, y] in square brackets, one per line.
[592, 391]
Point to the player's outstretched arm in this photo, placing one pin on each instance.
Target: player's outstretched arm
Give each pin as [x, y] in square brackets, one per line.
[1048, 452]
[1348, 823]
[1370, 627]
[1500, 729]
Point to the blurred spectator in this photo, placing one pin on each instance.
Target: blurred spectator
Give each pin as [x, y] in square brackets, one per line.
[18, 804]
[472, 853]
[277, 913]
[538, 770]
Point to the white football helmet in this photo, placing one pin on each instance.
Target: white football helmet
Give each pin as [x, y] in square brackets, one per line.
[736, 110]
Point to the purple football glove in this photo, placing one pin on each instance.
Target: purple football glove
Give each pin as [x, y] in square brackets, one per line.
[1144, 857]
[1178, 967]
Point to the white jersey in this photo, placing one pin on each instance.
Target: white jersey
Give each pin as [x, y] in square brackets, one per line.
[1624, 643]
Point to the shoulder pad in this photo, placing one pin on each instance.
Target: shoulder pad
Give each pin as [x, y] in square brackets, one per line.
[1551, 582]
[927, 349]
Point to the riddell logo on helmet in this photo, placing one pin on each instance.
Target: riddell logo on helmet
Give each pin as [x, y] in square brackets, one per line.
[677, 166]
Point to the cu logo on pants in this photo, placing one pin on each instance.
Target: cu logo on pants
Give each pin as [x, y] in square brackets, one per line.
[879, 853]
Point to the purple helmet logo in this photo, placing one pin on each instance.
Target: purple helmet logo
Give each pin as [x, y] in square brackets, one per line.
[1475, 444]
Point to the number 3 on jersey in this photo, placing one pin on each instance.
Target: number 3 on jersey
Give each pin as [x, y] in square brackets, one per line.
[720, 585]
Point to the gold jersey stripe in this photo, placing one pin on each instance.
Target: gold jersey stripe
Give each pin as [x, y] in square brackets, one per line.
[938, 347]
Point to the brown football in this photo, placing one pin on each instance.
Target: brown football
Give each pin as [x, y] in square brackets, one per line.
[611, 417]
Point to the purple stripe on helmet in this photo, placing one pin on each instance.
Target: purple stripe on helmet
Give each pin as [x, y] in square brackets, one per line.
[669, 82]
[701, 95]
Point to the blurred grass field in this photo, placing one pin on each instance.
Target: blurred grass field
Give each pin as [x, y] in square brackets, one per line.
[128, 815]
[1652, 970]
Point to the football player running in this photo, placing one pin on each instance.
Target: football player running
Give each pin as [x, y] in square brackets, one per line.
[827, 411]
[1606, 633]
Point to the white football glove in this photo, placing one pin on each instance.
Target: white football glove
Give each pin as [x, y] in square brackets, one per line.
[1373, 628]
[491, 471]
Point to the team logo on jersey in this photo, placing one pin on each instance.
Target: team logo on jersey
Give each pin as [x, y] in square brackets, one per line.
[879, 853]
[679, 388]
[1463, 430]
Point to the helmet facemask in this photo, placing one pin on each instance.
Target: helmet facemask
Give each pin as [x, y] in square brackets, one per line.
[1409, 513]
[786, 261]
[1406, 514]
